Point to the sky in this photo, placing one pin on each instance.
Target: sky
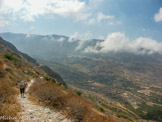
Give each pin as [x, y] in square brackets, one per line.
[84, 19]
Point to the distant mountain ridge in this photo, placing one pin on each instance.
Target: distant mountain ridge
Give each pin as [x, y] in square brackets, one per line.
[55, 46]
[41, 46]
[48, 46]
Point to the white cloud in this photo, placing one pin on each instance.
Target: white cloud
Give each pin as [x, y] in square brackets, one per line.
[73, 37]
[61, 39]
[101, 16]
[118, 42]
[158, 16]
[28, 36]
[114, 23]
[101, 37]
[8, 6]
[28, 10]
[84, 38]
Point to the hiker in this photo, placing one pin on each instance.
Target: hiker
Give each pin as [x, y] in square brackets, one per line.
[22, 88]
[25, 85]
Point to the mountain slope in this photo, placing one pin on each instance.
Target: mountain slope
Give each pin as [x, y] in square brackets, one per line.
[7, 47]
[14, 68]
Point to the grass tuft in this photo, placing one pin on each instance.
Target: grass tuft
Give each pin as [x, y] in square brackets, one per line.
[79, 93]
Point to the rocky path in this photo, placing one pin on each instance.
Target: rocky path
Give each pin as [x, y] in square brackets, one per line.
[31, 112]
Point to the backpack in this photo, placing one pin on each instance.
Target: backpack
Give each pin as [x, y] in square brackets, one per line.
[21, 86]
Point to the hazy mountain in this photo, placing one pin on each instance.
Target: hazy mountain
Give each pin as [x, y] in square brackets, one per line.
[42, 46]
[55, 46]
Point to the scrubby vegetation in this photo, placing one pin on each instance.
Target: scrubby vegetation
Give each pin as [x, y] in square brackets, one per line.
[1, 68]
[47, 78]
[75, 106]
[124, 116]
[129, 81]
[8, 102]
[148, 112]
[119, 113]
[10, 57]
[153, 112]
[79, 93]
[11, 74]
[101, 109]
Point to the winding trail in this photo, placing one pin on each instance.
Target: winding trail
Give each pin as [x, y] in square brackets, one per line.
[31, 112]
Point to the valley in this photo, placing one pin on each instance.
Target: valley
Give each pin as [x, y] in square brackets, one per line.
[127, 84]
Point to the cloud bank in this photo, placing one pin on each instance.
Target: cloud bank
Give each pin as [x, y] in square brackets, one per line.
[158, 16]
[118, 42]
[28, 10]
[73, 37]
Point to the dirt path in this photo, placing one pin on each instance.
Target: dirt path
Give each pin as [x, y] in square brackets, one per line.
[36, 113]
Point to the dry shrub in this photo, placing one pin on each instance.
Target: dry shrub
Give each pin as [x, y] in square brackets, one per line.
[75, 106]
[95, 117]
[47, 93]
[6, 90]
[8, 102]
[1, 68]
[10, 110]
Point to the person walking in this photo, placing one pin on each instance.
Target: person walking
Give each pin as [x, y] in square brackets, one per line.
[22, 88]
[25, 85]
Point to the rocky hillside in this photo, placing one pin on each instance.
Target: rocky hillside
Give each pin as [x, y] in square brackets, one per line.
[7, 47]
[48, 91]
[16, 66]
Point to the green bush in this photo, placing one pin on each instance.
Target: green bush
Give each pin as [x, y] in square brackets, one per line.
[79, 93]
[58, 83]
[101, 109]
[124, 116]
[47, 78]
[10, 57]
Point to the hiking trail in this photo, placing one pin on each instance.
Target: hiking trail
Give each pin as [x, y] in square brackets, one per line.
[32, 112]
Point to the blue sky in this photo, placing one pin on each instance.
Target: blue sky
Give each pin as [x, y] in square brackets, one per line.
[83, 19]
